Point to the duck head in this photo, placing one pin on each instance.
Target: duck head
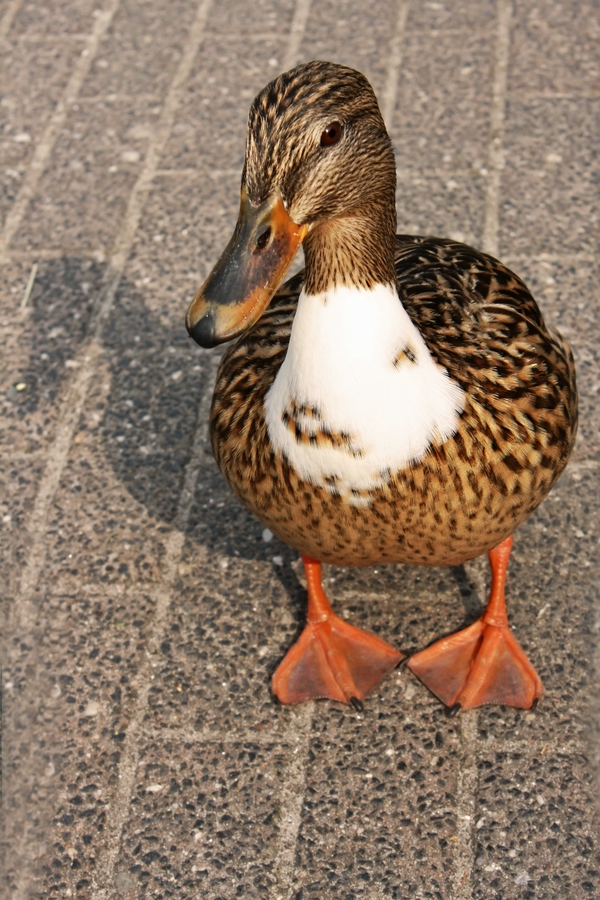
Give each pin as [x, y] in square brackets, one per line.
[319, 169]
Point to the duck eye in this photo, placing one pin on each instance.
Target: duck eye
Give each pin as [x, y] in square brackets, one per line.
[331, 135]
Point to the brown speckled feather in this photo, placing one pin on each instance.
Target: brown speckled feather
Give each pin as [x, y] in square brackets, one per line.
[467, 494]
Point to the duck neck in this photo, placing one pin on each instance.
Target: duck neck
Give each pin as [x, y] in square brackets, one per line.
[354, 250]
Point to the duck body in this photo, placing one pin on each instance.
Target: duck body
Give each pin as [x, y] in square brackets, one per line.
[401, 400]
[514, 406]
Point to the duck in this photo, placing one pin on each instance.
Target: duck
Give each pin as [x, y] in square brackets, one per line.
[400, 400]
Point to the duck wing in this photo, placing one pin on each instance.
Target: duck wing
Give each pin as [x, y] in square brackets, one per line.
[482, 325]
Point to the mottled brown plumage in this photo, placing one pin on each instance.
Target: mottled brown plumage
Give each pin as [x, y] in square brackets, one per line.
[481, 324]
[320, 168]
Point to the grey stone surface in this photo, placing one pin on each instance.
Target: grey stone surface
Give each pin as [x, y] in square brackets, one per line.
[144, 612]
[91, 159]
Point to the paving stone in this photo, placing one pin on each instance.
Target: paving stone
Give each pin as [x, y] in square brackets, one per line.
[451, 206]
[73, 686]
[553, 49]
[143, 754]
[549, 145]
[441, 120]
[26, 112]
[188, 810]
[268, 17]
[65, 294]
[96, 162]
[140, 52]
[211, 122]
[53, 20]
[379, 816]
[355, 35]
[211, 677]
[448, 17]
[549, 846]
[188, 223]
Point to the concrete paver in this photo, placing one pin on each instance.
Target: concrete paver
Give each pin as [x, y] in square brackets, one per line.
[143, 755]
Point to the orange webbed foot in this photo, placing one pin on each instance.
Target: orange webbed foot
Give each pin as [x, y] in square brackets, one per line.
[335, 660]
[483, 664]
[331, 658]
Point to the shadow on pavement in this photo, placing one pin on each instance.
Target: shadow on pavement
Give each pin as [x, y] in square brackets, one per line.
[149, 418]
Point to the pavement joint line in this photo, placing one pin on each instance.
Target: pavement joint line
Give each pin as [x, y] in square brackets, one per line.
[54, 39]
[140, 190]
[496, 154]
[127, 773]
[29, 288]
[524, 95]
[466, 801]
[87, 592]
[8, 18]
[579, 464]
[52, 253]
[69, 584]
[250, 35]
[291, 799]
[390, 91]
[577, 257]
[89, 356]
[288, 735]
[118, 98]
[297, 29]
[534, 747]
[23, 610]
[57, 454]
[191, 173]
[44, 149]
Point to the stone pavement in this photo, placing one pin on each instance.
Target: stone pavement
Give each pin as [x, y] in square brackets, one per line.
[144, 608]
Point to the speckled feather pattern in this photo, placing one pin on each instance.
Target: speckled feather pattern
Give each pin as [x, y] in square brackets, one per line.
[327, 187]
[468, 493]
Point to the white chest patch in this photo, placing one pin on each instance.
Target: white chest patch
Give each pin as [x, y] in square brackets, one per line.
[358, 396]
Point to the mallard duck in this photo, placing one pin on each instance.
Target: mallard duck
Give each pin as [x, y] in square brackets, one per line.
[401, 400]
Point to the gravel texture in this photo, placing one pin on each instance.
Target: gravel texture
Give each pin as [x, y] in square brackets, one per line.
[144, 609]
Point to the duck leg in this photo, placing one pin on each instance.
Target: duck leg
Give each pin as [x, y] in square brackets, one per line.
[331, 658]
[483, 663]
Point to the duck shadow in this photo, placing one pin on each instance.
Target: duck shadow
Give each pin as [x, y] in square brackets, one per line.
[149, 417]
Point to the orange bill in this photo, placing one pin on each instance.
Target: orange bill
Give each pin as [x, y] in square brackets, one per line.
[247, 274]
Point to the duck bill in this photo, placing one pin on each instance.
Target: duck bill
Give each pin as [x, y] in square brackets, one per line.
[247, 274]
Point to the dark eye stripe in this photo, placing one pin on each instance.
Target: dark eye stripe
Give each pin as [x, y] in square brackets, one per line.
[263, 239]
